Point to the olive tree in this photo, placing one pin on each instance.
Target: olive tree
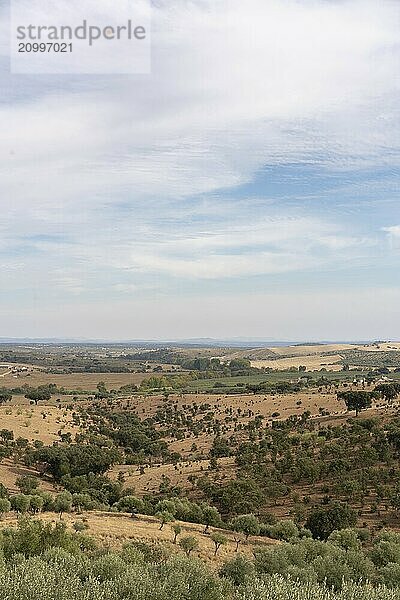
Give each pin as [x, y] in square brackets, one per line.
[219, 540]
[246, 524]
[189, 543]
[177, 529]
[63, 503]
[165, 517]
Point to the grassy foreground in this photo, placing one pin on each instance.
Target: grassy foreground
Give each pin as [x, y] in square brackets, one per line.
[45, 562]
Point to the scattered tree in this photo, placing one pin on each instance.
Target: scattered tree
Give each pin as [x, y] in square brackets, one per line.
[35, 504]
[5, 396]
[219, 540]
[356, 400]
[27, 484]
[165, 517]
[246, 524]
[211, 517]
[188, 544]
[63, 503]
[177, 529]
[20, 503]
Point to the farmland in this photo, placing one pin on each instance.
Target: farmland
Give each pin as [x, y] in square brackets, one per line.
[82, 382]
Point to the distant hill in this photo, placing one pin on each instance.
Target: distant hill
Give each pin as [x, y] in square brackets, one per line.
[251, 343]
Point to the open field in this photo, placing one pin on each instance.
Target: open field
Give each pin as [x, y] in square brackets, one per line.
[310, 349]
[4, 371]
[36, 422]
[317, 356]
[87, 382]
[233, 383]
[10, 471]
[263, 404]
[113, 530]
[312, 363]
[276, 352]
[79, 366]
[149, 481]
[77, 381]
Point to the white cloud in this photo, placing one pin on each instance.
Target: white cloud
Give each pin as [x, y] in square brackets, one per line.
[393, 234]
[393, 231]
[277, 245]
[236, 86]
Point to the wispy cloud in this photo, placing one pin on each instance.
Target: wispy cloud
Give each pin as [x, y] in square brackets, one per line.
[229, 93]
[393, 233]
[134, 184]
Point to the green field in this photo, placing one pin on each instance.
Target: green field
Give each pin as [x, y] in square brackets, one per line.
[232, 382]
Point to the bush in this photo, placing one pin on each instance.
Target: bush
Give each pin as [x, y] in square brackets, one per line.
[63, 503]
[108, 567]
[5, 506]
[80, 526]
[27, 484]
[36, 504]
[20, 503]
[130, 504]
[284, 530]
[238, 569]
[33, 537]
[390, 575]
[345, 538]
[310, 560]
[150, 553]
[46, 562]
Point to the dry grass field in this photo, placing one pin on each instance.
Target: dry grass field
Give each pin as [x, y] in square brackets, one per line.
[263, 404]
[312, 362]
[10, 471]
[113, 530]
[150, 480]
[288, 351]
[74, 381]
[32, 423]
[309, 350]
[270, 407]
[36, 422]
[43, 422]
[314, 357]
[281, 406]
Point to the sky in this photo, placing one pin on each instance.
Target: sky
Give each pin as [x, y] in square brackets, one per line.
[248, 186]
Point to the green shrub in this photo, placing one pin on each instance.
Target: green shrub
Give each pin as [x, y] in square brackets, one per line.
[238, 569]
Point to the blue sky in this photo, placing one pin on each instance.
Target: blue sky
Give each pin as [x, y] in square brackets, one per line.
[249, 186]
